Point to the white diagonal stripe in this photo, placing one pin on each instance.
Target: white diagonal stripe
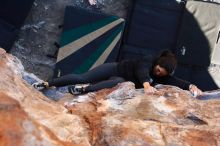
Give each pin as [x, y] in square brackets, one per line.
[106, 53]
[79, 43]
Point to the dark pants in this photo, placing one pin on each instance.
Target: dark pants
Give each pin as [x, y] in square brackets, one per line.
[103, 76]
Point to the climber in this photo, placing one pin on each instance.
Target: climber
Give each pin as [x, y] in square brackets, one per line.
[145, 72]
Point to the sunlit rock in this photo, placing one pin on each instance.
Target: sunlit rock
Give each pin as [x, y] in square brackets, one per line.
[121, 116]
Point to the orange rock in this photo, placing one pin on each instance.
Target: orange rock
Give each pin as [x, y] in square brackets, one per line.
[121, 116]
[18, 129]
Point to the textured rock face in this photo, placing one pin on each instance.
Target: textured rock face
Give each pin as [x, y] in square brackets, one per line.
[18, 129]
[122, 116]
[43, 111]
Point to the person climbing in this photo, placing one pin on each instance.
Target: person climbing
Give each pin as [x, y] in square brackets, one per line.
[144, 72]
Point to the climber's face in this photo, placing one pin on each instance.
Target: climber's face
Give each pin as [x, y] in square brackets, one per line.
[159, 71]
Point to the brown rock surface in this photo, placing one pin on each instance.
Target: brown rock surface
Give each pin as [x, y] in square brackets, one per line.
[18, 129]
[121, 116]
[66, 127]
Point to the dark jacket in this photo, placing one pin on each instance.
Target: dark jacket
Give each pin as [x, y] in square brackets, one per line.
[141, 70]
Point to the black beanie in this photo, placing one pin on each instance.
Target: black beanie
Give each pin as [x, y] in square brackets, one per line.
[166, 60]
